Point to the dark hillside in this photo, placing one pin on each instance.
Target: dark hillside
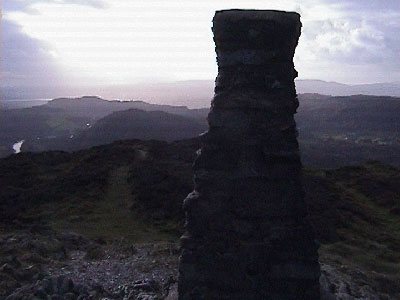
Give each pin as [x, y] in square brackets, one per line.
[357, 115]
[139, 124]
[95, 107]
[340, 131]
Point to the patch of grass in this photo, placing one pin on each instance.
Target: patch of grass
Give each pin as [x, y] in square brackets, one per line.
[95, 253]
[371, 244]
[355, 257]
[315, 171]
[108, 217]
[63, 123]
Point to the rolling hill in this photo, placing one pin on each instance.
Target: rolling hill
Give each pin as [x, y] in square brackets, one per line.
[139, 124]
[339, 131]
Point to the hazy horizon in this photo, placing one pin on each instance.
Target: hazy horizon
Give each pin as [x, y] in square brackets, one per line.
[190, 93]
[84, 45]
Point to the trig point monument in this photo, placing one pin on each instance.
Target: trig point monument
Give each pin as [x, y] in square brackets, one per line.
[247, 234]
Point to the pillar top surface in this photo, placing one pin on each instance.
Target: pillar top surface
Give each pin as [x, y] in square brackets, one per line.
[234, 15]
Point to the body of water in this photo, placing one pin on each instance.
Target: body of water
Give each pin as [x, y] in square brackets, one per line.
[17, 146]
[22, 103]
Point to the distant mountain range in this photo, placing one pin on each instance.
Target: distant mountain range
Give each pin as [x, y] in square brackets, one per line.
[76, 123]
[96, 107]
[334, 131]
[193, 93]
[340, 89]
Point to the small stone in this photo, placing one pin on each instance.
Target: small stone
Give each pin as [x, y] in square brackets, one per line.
[7, 269]
[144, 286]
[47, 286]
[144, 296]
[11, 260]
[33, 258]
[69, 296]
[41, 294]
[66, 286]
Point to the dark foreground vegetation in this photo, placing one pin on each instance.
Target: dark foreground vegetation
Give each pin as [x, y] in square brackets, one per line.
[105, 222]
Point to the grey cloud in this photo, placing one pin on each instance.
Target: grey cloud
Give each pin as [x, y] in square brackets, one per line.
[370, 5]
[366, 33]
[355, 43]
[25, 61]
[26, 6]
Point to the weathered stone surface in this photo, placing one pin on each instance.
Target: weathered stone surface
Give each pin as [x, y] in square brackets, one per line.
[247, 234]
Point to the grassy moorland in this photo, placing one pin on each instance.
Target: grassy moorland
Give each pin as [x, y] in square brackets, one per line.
[134, 190]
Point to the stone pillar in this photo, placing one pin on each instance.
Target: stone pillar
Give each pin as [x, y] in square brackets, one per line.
[247, 234]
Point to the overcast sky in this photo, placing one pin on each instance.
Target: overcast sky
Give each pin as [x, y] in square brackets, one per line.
[97, 42]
